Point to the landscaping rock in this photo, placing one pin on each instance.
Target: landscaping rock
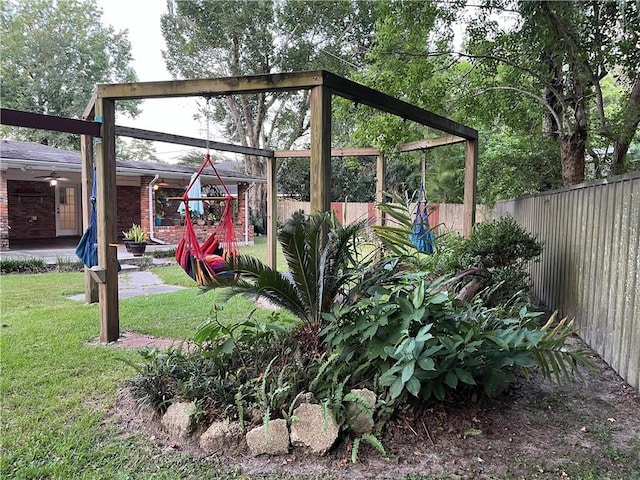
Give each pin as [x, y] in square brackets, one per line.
[178, 419]
[272, 439]
[360, 418]
[221, 436]
[314, 427]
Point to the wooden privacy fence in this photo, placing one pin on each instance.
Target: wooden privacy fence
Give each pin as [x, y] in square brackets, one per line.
[590, 267]
[450, 216]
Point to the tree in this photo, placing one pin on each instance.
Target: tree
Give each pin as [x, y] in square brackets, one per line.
[52, 55]
[352, 179]
[210, 39]
[558, 53]
[135, 149]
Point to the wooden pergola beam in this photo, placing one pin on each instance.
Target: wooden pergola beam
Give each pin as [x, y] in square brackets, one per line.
[190, 141]
[470, 187]
[362, 94]
[86, 153]
[430, 143]
[320, 168]
[335, 152]
[277, 82]
[281, 82]
[19, 118]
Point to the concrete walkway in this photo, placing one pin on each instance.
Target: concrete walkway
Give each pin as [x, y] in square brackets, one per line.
[67, 251]
[135, 283]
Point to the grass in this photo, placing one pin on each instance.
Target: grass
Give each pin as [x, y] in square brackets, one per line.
[56, 388]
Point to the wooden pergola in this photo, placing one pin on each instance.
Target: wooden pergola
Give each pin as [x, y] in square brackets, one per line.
[323, 86]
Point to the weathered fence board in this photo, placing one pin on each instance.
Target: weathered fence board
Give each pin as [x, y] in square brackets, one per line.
[590, 267]
[446, 217]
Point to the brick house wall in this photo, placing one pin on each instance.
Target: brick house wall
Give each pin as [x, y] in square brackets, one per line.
[128, 208]
[4, 211]
[31, 210]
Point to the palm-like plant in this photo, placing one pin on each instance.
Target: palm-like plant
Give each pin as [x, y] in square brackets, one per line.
[322, 258]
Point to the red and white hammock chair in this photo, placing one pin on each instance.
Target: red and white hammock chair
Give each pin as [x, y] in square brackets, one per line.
[207, 262]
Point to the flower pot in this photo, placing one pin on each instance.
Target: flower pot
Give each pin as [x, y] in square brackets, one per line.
[138, 248]
[127, 245]
[158, 222]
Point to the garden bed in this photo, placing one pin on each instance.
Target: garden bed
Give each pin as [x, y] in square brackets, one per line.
[536, 430]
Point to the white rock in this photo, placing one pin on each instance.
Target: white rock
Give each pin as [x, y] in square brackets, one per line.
[178, 419]
[359, 418]
[272, 439]
[221, 437]
[314, 427]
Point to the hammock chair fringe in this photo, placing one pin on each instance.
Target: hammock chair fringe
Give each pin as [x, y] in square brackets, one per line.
[207, 262]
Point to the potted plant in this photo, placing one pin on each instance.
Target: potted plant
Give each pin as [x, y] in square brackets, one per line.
[135, 240]
[211, 218]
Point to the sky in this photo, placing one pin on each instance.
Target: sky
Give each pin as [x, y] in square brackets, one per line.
[142, 20]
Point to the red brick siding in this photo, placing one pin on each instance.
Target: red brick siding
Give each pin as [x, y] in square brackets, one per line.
[28, 200]
[173, 234]
[145, 220]
[4, 211]
[128, 208]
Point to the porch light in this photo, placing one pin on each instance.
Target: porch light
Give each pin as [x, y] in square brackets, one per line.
[53, 182]
[161, 183]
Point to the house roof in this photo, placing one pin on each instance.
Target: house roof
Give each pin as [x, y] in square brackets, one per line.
[20, 154]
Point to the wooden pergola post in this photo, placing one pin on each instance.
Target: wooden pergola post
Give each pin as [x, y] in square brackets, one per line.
[107, 216]
[86, 151]
[470, 187]
[381, 186]
[272, 213]
[320, 165]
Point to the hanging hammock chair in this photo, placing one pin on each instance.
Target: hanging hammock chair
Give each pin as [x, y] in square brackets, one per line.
[421, 235]
[207, 262]
[87, 249]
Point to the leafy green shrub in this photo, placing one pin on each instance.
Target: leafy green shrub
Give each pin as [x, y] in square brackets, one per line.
[68, 264]
[409, 332]
[318, 271]
[250, 371]
[167, 253]
[22, 265]
[499, 244]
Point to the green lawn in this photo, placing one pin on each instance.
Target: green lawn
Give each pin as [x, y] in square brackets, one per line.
[56, 388]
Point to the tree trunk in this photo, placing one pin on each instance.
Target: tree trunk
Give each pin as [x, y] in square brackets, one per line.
[572, 151]
[631, 121]
[257, 195]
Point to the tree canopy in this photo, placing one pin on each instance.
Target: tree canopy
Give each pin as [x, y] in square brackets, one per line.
[52, 54]
[552, 87]
[208, 39]
[557, 55]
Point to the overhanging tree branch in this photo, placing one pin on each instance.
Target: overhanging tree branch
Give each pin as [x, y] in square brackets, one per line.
[540, 99]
